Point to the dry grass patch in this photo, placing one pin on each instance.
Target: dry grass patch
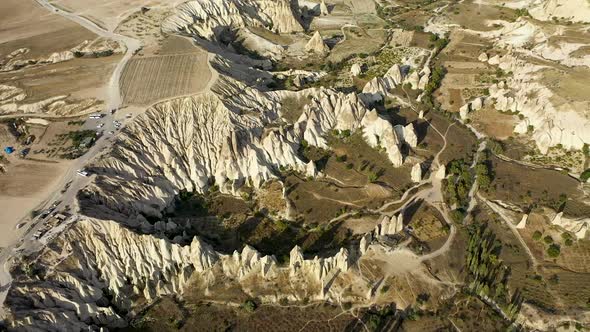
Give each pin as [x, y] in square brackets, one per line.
[494, 123]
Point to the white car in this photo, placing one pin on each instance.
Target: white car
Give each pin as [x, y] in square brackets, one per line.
[83, 173]
[100, 125]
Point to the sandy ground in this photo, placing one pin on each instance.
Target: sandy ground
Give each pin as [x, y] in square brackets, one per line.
[108, 14]
[80, 78]
[22, 19]
[23, 187]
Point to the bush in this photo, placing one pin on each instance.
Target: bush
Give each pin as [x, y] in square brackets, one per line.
[548, 239]
[372, 177]
[457, 215]
[250, 305]
[537, 235]
[585, 175]
[553, 250]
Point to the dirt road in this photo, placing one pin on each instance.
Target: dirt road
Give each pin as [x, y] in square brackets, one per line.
[70, 176]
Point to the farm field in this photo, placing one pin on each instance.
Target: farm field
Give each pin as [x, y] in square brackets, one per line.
[151, 79]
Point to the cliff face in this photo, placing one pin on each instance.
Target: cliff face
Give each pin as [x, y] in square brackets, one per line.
[209, 19]
[98, 269]
[229, 137]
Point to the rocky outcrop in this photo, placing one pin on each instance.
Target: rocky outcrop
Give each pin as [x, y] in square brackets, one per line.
[389, 225]
[441, 172]
[324, 9]
[416, 173]
[356, 70]
[99, 47]
[551, 125]
[523, 221]
[113, 267]
[212, 19]
[13, 100]
[395, 74]
[567, 10]
[577, 226]
[316, 45]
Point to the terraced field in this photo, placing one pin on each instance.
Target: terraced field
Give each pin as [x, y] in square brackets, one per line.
[149, 79]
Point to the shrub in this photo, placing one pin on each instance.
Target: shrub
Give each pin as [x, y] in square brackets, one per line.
[457, 215]
[585, 175]
[553, 250]
[548, 239]
[537, 235]
[372, 177]
[250, 305]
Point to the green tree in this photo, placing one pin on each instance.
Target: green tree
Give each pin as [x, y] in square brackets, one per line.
[554, 250]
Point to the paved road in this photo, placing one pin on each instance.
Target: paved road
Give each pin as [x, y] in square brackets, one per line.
[113, 101]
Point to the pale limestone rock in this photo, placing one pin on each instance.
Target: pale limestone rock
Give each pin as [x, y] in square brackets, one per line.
[423, 82]
[390, 225]
[316, 45]
[410, 135]
[310, 169]
[399, 223]
[203, 18]
[523, 221]
[377, 89]
[483, 57]
[324, 8]
[356, 69]
[395, 73]
[576, 226]
[477, 104]
[413, 80]
[464, 111]
[421, 115]
[378, 132]
[416, 174]
[365, 243]
[495, 60]
[441, 173]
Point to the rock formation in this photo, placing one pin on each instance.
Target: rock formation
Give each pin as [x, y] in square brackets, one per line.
[577, 226]
[324, 8]
[551, 125]
[441, 172]
[316, 45]
[389, 225]
[416, 174]
[116, 262]
[211, 19]
[356, 69]
[395, 74]
[523, 221]
[13, 100]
